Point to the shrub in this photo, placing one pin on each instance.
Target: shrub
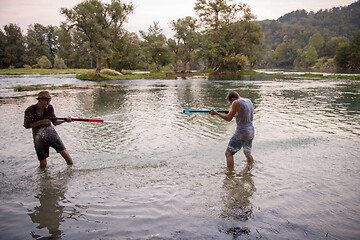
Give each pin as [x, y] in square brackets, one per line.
[44, 62]
[59, 63]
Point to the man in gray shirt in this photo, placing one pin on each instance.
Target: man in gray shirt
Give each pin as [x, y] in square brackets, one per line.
[243, 110]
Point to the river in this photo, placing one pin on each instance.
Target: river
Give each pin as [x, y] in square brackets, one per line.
[152, 172]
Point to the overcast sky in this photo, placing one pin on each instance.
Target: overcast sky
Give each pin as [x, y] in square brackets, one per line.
[47, 12]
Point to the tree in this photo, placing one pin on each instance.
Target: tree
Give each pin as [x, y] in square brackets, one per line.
[155, 43]
[75, 52]
[99, 24]
[13, 49]
[214, 13]
[317, 41]
[226, 26]
[174, 46]
[331, 45]
[285, 54]
[307, 57]
[127, 53]
[348, 54]
[355, 53]
[342, 56]
[40, 41]
[3, 63]
[187, 40]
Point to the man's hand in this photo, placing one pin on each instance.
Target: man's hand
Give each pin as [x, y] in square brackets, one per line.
[213, 112]
[46, 122]
[68, 119]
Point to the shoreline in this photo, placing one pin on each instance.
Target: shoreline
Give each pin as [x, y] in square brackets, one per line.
[89, 74]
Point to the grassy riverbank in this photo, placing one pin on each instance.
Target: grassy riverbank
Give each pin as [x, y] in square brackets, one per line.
[89, 74]
[25, 71]
[128, 75]
[65, 86]
[318, 75]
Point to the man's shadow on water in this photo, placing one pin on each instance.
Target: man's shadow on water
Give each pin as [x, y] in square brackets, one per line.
[238, 189]
[49, 213]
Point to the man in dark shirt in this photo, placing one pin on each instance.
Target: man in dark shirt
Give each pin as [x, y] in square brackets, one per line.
[44, 134]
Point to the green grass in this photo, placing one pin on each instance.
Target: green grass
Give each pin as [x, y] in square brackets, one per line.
[28, 88]
[67, 86]
[128, 76]
[318, 75]
[25, 71]
[37, 88]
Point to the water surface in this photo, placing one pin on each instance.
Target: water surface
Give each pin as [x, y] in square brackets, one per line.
[152, 172]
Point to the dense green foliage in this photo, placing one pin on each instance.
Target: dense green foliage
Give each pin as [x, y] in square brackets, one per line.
[308, 39]
[223, 37]
[99, 24]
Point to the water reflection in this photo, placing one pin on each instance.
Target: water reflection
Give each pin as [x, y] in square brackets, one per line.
[238, 190]
[49, 213]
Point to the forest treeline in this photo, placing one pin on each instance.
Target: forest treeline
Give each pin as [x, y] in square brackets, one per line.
[325, 39]
[224, 36]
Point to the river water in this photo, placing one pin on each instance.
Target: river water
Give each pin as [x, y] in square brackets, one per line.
[152, 172]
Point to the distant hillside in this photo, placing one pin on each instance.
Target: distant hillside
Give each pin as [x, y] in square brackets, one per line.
[300, 25]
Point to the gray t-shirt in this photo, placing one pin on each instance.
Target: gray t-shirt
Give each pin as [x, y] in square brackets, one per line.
[244, 120]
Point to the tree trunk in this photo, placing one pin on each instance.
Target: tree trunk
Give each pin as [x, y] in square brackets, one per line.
[156, 64]
[185, 64]
[108, 63]
[98, 63]
[175, 62]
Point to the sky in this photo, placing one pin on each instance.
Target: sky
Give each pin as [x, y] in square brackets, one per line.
[47, 12]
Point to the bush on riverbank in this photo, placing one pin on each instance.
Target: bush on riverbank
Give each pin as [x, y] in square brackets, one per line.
[109, 76]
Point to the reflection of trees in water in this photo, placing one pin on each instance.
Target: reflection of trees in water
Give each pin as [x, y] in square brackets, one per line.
[49, 213]
[238, 189]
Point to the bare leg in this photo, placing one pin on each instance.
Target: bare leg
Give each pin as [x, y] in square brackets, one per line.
[43, 163]
[250, 159]
[229, 160]
[66, 156]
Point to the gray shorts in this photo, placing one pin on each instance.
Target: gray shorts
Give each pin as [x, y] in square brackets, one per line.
[236, 144]
[46, 139]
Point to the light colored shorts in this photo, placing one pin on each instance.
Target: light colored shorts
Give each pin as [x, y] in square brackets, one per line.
[236, 144]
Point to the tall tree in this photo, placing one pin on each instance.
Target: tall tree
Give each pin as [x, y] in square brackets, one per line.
[41, 41]
[348, 54]
[127, 53]
[214, 13]
[187, 39]
[155, 43]
[307, 57]
[99, 23]
[14, 49]
[226, 26]
[355, 53]
[3, 63]
[318, 42]
[285, 54]
[174, 46]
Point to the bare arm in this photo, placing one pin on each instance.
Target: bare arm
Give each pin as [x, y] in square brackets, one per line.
[58, 122]
[235, 108]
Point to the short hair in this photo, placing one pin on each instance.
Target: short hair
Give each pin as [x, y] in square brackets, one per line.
[44, 95]
[231, 95]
